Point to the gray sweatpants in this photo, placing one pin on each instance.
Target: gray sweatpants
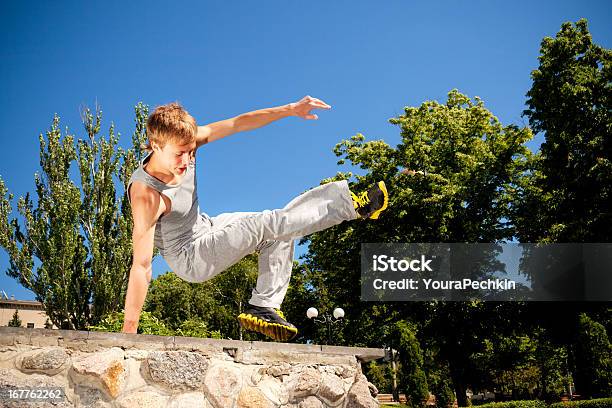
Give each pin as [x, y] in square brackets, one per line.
[232, 236]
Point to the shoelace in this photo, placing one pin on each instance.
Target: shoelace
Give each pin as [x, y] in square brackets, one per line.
[361, 199]
[278, 311]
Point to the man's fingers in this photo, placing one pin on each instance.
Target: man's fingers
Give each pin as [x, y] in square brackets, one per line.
[307, 98]
[314, 101]
[320, 104]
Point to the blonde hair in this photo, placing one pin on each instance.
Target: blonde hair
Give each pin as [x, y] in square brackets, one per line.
[170, 122]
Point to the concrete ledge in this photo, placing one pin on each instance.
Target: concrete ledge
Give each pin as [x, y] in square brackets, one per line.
[247, 351]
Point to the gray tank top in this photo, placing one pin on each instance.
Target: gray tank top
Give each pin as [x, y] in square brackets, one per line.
[183, 224]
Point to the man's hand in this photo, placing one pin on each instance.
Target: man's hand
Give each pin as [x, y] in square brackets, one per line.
[303, 107]
[130, 326]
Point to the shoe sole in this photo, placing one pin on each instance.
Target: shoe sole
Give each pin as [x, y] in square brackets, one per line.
[375, 214]
[273, 330]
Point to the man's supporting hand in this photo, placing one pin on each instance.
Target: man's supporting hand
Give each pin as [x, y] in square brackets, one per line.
[138, 286]
[129, 326]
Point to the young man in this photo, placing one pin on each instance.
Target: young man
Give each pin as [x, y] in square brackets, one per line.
[163, 195]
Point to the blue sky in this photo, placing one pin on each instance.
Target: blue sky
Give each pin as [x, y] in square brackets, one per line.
[366, 59]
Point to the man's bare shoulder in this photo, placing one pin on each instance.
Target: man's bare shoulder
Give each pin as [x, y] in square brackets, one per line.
[145, 200]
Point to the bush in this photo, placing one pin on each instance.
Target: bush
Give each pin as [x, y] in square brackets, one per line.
[594, 351]
[594, 403]
[196, 327]
[515, 404]
[148, 324]
[381, 375]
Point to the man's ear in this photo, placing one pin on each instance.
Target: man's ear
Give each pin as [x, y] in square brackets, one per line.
[155, 146]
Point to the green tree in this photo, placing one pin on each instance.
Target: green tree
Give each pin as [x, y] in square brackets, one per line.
[511, 363]
[567, 194]
[454, 333]
[470, 162]
[380, 374]
[174, 300]
[214, 304]
[438, 375]
[467, 164]
[594, 376]
[73, 250]
[552, 361]
[412, 379]
[15, 321]
[303, 294]
[232, 288]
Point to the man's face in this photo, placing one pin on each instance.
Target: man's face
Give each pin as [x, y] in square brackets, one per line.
[176, 157]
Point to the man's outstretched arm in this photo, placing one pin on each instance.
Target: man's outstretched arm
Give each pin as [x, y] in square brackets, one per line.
[258, 118]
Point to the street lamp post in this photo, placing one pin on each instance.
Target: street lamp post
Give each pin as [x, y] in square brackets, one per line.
[338, 317]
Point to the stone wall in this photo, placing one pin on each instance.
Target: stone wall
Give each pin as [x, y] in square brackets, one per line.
[129, 370]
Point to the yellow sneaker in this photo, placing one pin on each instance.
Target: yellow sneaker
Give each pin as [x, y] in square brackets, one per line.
[369, 204]
[268, 321]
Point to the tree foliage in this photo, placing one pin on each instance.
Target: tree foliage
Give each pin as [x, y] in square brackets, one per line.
[567, 194]
[73, 246]
[594, 349]
[213, 304]
[15, 321]
[412, 379]
[458, 175]
[466, 164]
